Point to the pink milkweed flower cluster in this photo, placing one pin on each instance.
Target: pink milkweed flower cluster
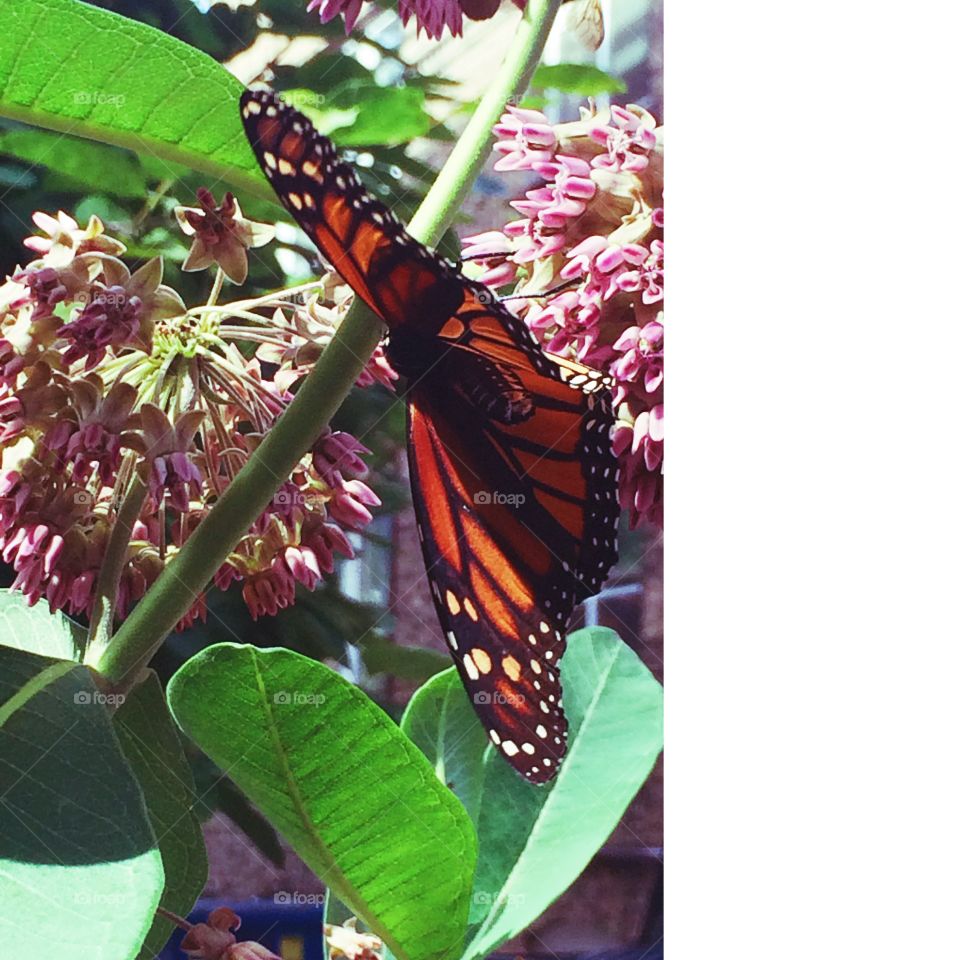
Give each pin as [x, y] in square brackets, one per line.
[587, 254]
[107, 379]
[431, 16]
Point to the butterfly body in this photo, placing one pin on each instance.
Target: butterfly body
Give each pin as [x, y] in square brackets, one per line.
[513, 479]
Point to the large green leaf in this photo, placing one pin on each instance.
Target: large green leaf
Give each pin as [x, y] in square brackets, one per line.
[535, 841]
[73, 68]
[342, 783]
[441, 721]
[80, 873]
[36, 629]
[152, 747]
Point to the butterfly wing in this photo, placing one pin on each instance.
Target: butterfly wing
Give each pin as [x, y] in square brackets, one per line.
[561, 451]
[517, 515]
[357, 234]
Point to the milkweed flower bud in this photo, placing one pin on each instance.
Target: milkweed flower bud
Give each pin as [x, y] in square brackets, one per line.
[588, 250]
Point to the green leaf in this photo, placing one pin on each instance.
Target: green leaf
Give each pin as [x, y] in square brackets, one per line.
[75, 69]
[80, 873]
[151, 744]
[325, 73]
[36, 629]
[408, 663]
[441, 721]
[579, 78]
[85, 163]
[324, 115]
[535, 841]
[384, 115]
[109, 211]
[349, 791]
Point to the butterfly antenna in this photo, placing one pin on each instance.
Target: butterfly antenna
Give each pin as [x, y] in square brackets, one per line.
[546, 293]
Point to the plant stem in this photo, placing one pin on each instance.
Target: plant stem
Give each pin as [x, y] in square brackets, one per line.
[217, 287]
[114, 558]
[174, 918]
[322, 391]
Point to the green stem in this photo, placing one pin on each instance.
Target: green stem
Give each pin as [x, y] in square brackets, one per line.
[114, 558]
[217, 287]
[322, 391]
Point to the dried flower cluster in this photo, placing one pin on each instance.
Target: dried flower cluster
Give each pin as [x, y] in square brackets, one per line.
[589, 250]
[107, 380]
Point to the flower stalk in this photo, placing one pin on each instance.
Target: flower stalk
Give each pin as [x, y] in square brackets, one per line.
[321, 393]
[114, 558]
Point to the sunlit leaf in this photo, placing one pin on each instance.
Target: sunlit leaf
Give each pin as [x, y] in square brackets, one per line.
[535, 841]
[384, 115]
[36, 630]
[441, 721]
[80, 872]
[75, 69]
[346, 788]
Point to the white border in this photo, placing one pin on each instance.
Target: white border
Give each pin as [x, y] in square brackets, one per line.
[813, 234]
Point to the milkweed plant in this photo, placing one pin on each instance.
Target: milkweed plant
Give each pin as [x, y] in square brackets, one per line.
[169, 434]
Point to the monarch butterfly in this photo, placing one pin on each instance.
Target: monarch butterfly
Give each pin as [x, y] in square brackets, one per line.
[513, 479]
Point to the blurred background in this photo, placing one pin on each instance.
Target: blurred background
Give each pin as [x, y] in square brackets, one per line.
[394, 102]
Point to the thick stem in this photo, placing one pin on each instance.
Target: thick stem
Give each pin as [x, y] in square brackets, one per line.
[323, 390]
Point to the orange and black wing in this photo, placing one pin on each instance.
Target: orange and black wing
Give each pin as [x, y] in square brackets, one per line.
[356, 234]
[561, 449]
[515, 494]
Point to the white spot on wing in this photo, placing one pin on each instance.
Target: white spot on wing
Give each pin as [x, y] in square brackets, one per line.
[472, 672]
